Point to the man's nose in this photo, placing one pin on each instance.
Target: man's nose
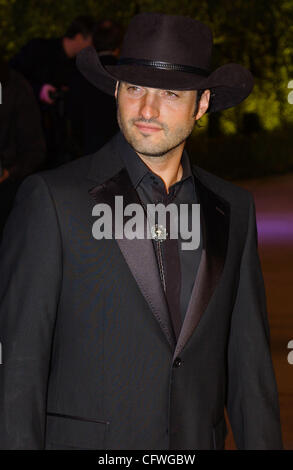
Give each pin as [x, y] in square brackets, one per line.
[150, 106]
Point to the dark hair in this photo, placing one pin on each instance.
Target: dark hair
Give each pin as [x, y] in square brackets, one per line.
[199, 94]
[81, 24]
[107, 36]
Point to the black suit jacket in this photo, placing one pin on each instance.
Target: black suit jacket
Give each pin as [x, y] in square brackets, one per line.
[89, 360]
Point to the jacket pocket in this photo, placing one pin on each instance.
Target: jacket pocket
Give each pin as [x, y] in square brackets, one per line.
[219, 434]
[74, 432]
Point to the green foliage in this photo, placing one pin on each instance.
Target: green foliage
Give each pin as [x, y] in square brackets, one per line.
[23, 20]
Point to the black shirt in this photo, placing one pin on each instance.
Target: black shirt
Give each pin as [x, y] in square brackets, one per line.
[151, 190]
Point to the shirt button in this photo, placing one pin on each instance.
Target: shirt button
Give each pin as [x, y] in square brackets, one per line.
[177, 362]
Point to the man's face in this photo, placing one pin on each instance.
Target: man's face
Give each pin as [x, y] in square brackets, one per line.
[155, 121]
[81, 41]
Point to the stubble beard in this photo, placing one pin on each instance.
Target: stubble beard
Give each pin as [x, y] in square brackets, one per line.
[144, 146]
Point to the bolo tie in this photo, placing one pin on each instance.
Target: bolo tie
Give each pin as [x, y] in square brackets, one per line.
[170, 270]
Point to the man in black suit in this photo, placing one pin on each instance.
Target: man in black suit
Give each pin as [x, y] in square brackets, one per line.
[92, 112]
[49, 65]
[120, 342]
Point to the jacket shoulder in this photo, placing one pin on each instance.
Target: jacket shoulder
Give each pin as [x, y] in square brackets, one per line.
[71, 172]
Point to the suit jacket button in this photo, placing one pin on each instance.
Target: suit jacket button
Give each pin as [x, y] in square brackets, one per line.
[177, 362]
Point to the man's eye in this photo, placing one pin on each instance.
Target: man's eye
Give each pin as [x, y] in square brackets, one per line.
[171, 94]
[133, 89]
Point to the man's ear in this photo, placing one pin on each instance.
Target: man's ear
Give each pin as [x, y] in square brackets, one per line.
[203, 104]
[116, 89]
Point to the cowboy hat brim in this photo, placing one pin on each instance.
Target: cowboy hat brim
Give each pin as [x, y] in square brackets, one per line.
[231, 82]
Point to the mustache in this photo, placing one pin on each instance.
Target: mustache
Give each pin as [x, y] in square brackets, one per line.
[149, 121]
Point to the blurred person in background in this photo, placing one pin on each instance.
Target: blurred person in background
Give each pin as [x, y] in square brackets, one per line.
[93, 112]
[22, 144]
[48, 65]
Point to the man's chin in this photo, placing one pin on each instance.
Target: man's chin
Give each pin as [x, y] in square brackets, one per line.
[139, 147]
[149, 151]
[152, 153]
[154, 150]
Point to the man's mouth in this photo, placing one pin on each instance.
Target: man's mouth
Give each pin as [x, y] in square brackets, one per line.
[147, 128]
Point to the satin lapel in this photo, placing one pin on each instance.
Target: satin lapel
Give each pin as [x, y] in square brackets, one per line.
[215, 223]
[138, 253]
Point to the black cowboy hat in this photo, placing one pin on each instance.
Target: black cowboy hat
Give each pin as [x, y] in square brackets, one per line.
[168, 52]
